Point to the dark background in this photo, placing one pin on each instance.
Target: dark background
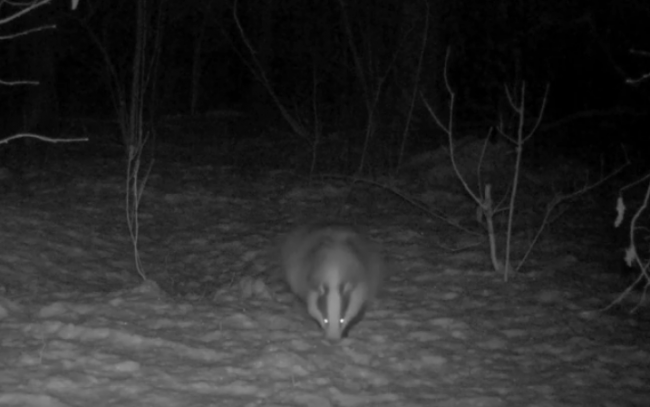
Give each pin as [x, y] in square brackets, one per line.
[204, 88]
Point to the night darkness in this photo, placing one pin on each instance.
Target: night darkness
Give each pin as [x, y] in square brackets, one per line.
[317, 58]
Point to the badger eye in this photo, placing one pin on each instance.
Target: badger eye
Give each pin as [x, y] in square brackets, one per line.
[326, 321]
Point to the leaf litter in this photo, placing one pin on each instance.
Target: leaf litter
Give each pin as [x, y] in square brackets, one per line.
[213, 327]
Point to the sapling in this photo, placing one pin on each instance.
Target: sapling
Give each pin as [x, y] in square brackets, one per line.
[633, 258]
[482, 194]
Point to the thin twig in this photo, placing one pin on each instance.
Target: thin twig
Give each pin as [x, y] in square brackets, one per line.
[261, 75]
[18, 83]
[27, 32]
[416, 85]
[42, 138]
[24, 11]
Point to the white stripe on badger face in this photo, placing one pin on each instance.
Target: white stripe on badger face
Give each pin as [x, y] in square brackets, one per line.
[332, 325]
[334, 322]
[333, 274]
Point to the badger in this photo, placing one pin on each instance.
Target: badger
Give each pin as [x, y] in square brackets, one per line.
[335, 270]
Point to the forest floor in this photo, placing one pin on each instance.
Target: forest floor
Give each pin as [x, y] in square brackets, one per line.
[78, 327]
